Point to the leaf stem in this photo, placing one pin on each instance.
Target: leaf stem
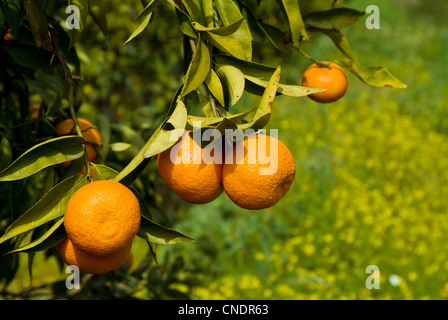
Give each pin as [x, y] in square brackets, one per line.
[70, 79]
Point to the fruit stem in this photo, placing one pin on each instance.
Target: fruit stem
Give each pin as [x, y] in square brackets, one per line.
[306, 55]
[70, 80]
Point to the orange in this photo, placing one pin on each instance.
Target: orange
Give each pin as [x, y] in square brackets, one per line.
[89, 263]
[102, 217]
[332, 78]
[257, 177]
[188, 175]
[89, 132]
[34, 108]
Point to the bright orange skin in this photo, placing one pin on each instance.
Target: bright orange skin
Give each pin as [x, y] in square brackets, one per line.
[190, 177]
[332, 78]
[102, 217]
[91, 264]
[89, 132]
[244, 180]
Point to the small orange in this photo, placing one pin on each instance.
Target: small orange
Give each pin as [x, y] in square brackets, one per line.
[188, 175]
[102, 217]
[34, 108]
[89, 132]
[257, 177]
[89, 263]
[92, 170]
[332, 78]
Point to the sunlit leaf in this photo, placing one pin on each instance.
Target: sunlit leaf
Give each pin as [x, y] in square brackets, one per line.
[45, 154]
[234, 80]
[156, 233]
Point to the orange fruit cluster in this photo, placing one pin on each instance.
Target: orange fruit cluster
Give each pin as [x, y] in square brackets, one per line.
[101, 220]
[252, 179]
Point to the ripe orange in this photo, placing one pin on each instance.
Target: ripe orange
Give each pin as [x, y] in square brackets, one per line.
[89, 132]
[83, 170]
[89, 263]
[102, 217]
[253, 178]
[332, 78]
[189, 176]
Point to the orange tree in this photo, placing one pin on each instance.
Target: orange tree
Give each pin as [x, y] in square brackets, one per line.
[219, 50]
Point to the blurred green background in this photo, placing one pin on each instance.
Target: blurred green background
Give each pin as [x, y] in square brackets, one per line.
[372, 170]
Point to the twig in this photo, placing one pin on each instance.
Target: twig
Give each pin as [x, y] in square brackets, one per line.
[70, 79]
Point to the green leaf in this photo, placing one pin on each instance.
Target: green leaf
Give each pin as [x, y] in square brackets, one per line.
[50, 88]
[13, 13]
[50, 206]
[333, 19]
[194, 9]
[247, 67]
[159, 142]
[376, 76]
[142, 26]
[45, 154]
[234, 80]
[263, 114]
[152, 5]
[213, 121]
[222, 31]
[156, 233]
[185, 24]
[340, 41]
[38, 23]
[50, 238]
[165, 138]
[285, 89]
[215, 86]
[296, 24]
[198, 70]
[229, 44]
[229, 14]
[120, 146]
[83, 6]
[104, 172]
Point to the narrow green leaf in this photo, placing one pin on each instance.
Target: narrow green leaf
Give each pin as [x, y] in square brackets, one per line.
[263, 114]
[213, 121]
[215, 86]
[50, 238]
[285, 89]
[13, 13]
[376, 76]
[194, 9]
[198, 70]
[234, 79]
[229, 44]
[229, 14]
[37, 20]
[249, 68]
[45, 154]
[185, 23]
[166, 138]
[296, 24]
[156, 233]
[120, 146]
[140, 28]
[340, 41]
[50, 206]
[152, 5]
[222, 31]
[333, 19]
